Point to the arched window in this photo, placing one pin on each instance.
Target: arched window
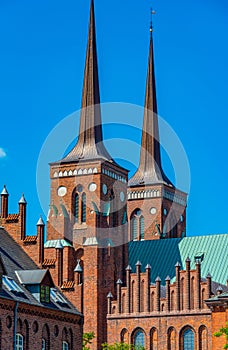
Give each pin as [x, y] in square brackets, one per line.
[203, 342]
[45, 338]
[172, 300]
[132, 296]
[65, 345]
[43, 344]
[139, 338]
[83, 216]
[171, 339]
[134, 228]
[123, 304]
[76, 208]
[152, 301]
[188, 339]
[141, 227]
[173, 226]
[192, 300]
[25, 333]
[203, 297]
[19, 342]
[154, 339]
[137, 226]
[124, 336]
[142, 297]
[182, 293]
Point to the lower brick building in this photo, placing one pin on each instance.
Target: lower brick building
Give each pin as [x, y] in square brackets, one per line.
[34, 314]
[174, 316]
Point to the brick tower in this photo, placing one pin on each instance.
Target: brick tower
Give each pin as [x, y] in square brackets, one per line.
[88, 210]
[156, 209]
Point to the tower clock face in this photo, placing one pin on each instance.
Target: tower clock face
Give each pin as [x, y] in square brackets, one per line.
[62, 191]
[92, 187]
[104, 189]
[153, 211]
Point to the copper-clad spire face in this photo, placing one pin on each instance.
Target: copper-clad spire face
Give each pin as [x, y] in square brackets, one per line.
[150, 169]
[90, 141]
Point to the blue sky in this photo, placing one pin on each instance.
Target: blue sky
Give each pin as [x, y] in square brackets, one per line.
[42, 56]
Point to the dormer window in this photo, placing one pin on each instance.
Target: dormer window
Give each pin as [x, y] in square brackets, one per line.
[11, 285]
[37, 282]
[199, 258]
[44, 294]
[57, 297]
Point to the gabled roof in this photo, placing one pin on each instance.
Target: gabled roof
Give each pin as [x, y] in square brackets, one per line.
[162, 255]
[33, 276]
[15, 259]
[13, 256]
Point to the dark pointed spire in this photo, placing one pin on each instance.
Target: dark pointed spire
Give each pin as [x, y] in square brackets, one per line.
[90, 141]
[150, 169]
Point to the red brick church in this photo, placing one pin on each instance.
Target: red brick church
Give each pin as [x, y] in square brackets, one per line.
[117, 247]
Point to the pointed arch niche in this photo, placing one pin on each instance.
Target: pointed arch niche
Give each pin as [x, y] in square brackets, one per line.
[137, 226]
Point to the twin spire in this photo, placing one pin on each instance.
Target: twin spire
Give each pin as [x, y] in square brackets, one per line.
[150, 170]
[90, 141]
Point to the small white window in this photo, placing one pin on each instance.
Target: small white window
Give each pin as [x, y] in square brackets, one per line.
[19, 341]
[43, 344]
[65, 346]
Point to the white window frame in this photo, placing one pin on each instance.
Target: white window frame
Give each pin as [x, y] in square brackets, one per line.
[19, 341]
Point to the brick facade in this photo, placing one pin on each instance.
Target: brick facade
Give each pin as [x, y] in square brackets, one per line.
[35, 324]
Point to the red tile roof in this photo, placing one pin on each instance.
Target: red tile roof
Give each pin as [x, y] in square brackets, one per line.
[67, 285]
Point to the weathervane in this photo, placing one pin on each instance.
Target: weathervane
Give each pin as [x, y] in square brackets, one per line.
[152, 12]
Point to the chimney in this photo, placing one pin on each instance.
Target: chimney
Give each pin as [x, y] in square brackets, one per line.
[109, 297]
[4, 202]
[59, 257]
[78, 273]
[22, 212]
[40, 233]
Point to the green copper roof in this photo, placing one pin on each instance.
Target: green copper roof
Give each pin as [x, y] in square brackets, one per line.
[162, 255]
[53, 243]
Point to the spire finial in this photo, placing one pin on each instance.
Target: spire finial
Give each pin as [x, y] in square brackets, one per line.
[152, 12]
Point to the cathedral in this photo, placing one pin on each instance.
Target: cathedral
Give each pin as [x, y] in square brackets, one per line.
[117, 247]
